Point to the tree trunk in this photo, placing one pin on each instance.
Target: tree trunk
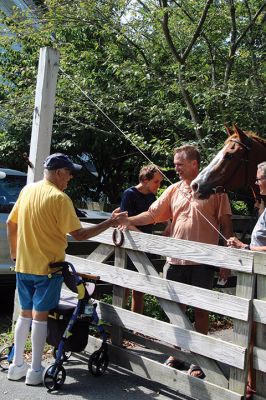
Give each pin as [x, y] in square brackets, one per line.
[191, 106]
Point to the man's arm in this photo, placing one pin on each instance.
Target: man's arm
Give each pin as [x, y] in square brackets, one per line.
[86, 233]
[144, 218]
[12, 229]
[237, 244]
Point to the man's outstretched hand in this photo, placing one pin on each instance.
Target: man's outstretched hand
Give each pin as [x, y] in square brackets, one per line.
[119, 218]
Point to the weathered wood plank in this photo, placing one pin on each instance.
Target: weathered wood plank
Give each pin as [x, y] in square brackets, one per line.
[192, 341]
[101, 253]
[177, 316]
[70, 298]
[242, 333]
[234, 259]
[211, 368]
[214, 301]
[260, 341]
[42, 122]
[170, 377]
[259, 311]
[160, 346]
[259, 359]
[259, 262]
[118, 295]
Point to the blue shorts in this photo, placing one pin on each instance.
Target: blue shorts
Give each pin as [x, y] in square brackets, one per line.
[38, 292]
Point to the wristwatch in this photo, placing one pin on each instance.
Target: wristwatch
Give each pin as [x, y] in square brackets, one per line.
[247, 247]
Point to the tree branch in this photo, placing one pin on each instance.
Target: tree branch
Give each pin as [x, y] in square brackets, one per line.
[181, 58]
[191, 106]
[88, 126]
[252, 22]
[198, 30]
[233, 46]
[167, 34]
[143, 5]
[235, 42]
[117, 30]
[211, 48]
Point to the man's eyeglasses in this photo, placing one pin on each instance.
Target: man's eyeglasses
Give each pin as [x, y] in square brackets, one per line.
[257, 180]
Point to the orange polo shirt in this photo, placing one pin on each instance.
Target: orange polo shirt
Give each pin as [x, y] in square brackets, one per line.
[177, 204]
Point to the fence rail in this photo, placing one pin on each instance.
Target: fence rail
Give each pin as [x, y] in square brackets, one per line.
[212, 354]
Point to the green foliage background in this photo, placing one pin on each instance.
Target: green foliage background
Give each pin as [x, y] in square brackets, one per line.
[166, 72]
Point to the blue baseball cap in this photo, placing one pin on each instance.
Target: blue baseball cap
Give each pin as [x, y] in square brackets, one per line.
[60, 160]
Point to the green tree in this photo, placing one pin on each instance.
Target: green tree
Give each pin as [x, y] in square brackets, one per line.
[166, 72]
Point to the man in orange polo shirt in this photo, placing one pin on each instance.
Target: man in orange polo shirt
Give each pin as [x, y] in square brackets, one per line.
[185, 212]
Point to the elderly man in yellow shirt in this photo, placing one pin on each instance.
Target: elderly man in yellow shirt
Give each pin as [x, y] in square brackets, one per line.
[36, 229]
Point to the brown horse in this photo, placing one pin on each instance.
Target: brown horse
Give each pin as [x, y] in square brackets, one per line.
[234, 167]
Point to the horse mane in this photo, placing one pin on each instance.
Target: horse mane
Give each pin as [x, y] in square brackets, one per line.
[250, 134]
[256, 137]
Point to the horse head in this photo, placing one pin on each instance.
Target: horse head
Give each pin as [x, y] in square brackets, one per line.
[234, 167]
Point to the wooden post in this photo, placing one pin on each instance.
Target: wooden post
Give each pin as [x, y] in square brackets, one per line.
[118, 295]
[242, 333]
[42, 121]
[261, 336]
[43, 112]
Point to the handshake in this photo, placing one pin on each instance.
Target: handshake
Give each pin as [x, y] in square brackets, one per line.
[119, 219]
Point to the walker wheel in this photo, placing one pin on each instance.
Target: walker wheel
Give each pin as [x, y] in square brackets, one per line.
[4, 361]
[98, 362]
[54, 377]
[65, 355]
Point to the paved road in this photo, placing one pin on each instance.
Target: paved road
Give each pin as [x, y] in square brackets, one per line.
[115, 384]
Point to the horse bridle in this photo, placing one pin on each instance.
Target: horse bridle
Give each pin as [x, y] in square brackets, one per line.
[247, 146]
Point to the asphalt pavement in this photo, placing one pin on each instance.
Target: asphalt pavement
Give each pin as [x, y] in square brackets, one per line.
[115, 384]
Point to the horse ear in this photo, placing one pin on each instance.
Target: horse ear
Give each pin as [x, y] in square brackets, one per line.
[229, 131]
[239, 131]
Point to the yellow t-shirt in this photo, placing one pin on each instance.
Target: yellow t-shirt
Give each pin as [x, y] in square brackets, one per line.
[44, 215]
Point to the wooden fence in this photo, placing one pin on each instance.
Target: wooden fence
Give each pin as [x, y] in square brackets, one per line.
[215, 356]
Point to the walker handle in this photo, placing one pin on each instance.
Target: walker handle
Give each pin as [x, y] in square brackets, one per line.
[89, 276]
[59, 264]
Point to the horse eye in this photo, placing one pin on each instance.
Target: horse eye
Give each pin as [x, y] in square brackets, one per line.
[228, 156]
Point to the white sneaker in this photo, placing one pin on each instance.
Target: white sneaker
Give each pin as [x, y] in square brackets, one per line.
[15, 373]
[34, 377]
